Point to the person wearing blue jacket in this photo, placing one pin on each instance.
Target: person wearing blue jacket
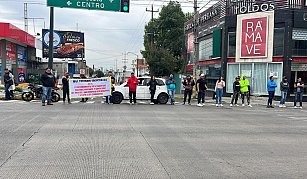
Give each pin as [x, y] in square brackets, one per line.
[271, 86]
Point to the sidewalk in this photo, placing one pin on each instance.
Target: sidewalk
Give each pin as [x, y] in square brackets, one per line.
[255, 100]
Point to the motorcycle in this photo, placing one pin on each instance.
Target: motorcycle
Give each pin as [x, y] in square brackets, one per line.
[37, 92]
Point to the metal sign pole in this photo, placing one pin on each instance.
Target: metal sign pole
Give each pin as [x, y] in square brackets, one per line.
[50, 61]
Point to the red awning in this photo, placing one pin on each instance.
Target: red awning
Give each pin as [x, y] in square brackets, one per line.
[14, 34]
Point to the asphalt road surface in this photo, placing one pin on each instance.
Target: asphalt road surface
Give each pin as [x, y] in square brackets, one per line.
[95, 140]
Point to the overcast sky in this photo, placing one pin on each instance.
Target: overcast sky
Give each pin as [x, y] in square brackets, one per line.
[108, 35]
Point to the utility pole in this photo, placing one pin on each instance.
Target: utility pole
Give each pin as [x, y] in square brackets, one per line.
[195, 35]
[25, 6]
[125, 60]
[50, 60]
[152, 17]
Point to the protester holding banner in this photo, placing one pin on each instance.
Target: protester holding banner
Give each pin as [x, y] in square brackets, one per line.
[48, 80]
[132, 83]
[82, 76]
[65, 82]
[109, 98]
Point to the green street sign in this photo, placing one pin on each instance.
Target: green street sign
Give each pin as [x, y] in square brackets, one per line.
[104, 5]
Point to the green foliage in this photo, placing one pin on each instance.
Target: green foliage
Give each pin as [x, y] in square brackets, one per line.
[165, 35]
[19, 89]
[161, 62]
[98, 74]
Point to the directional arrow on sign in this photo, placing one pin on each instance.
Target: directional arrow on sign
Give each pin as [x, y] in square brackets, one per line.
[69, 3]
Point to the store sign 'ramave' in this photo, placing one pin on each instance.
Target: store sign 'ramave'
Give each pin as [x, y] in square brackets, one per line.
[254, 37]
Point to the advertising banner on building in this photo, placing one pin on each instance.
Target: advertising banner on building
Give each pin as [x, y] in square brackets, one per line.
[255, 37]
[21, 75]
[67, 44]
[10, 51]
[190, 42]
[95, 87]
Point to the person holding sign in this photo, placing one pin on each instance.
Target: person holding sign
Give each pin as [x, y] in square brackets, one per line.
[132, 84]
[109, 98]
[65, 82]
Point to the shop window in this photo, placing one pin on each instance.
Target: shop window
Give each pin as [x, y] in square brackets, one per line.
[259, 78]
[257, 74]
[233, 72]
[213, 72]
[275, 69]
[190, 58]
[231, 44]
[206, 49]
[299, 48]
[278, 44]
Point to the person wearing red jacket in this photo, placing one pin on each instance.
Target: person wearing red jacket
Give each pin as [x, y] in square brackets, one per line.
[132, 84]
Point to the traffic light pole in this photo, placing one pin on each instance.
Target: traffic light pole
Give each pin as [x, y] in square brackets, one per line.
[50, 60]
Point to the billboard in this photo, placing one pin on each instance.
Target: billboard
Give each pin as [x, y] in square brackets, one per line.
[10, 51]
[255, 37]
[67, 44]
[190, 42]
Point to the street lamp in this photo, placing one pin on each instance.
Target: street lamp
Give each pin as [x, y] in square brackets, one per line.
[137, 62]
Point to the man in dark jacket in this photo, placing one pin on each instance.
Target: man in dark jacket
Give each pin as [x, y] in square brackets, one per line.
[65, 82]
[188, 84]
[201, 87]
[152, 87]
[299, 91]
[48, 80]
[284, 88]
[8, 81]
[236, 91]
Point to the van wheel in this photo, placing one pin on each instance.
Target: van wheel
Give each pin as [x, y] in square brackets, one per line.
[162, 98]
[117, 98]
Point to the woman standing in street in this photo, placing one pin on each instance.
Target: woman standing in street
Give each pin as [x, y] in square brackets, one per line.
[219, 86]
[152, 87]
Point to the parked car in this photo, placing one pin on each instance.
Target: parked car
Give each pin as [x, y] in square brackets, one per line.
[142, 93]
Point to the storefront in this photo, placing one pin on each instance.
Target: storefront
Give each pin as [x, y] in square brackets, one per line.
[17, 48]
[254, 38]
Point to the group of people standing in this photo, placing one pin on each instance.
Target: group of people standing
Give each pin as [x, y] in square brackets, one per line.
[284, 88]
[241, 88]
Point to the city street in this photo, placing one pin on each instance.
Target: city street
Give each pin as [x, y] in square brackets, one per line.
[94, 140]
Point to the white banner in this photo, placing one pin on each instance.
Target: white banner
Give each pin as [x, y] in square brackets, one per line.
[87, 88]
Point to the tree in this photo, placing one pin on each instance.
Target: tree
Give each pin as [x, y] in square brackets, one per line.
[161, 62]
[165, 35]
[98, 74]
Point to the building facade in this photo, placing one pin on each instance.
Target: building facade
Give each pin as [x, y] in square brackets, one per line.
[17, 51]
[254, 38]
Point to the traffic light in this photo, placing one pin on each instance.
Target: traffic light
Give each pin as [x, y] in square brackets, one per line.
[124, 7]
